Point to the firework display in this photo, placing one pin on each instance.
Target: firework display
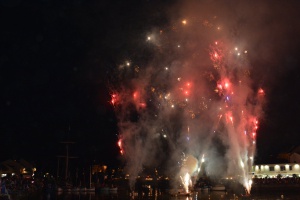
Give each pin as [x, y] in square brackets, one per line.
[194, 97]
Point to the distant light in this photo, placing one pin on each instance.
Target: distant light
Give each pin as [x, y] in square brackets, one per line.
[166, 68]
[236, 48]
[287, 167]
[172, 106]
[184, 22]
[245, 51]
[165, 136]
[148, 38]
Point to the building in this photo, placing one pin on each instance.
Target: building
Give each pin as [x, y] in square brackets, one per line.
[286, 164]
[14, 167]
[292, 155]
[275, 170]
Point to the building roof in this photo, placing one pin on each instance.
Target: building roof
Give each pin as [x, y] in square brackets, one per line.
[294, 149]
[13, 166]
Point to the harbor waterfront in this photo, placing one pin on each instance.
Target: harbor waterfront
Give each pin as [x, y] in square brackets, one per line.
[148, 187]
[267, 189]
[104, 183]
[204, 195]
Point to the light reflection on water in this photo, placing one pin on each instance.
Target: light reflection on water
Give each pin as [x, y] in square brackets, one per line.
[194, 196]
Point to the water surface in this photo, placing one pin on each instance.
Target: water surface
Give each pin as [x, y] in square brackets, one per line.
[266, 195]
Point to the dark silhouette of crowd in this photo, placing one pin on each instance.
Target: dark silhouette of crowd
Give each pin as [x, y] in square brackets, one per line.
[18, 184]
[277, 181]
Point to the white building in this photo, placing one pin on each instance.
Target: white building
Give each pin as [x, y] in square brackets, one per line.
[289, 165]
[273, 170]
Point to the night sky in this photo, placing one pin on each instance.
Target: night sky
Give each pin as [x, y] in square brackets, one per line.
[58, 61]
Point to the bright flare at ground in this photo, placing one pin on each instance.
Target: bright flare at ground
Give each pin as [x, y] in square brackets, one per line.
[186, 181]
